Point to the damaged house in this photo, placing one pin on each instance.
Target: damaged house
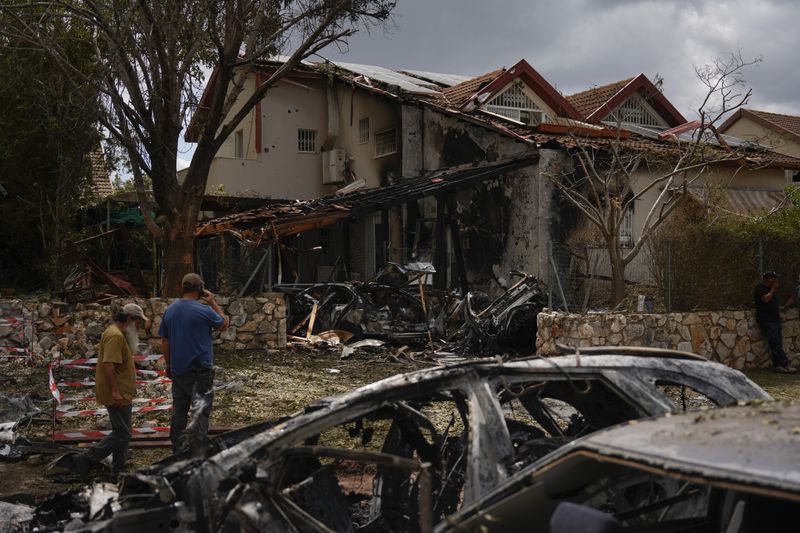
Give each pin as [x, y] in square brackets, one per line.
[362, 165]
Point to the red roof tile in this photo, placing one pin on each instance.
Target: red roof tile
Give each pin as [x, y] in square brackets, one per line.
[786, 124]
[588, 101]
[101, 183]
[458, 95]
[598, 102]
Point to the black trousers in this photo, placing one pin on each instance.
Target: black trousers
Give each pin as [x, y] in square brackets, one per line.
[191, 390]
[772, 332]
[116, 444]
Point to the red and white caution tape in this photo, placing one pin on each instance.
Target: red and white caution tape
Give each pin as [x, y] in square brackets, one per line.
[138, 370]
[71, 399]
[91, 383]
[14, 349]
[66, 413]
[93, 360]
[53, 385]
[99, 433]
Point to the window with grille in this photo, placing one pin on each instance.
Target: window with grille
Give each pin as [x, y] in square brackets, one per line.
[238, 144]
[515, 104]
[307, 141]
[385, 142]
[635, 110]
[626, 229]
[363, 131]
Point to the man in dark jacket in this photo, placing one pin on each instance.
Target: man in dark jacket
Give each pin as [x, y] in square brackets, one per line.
[768, 316]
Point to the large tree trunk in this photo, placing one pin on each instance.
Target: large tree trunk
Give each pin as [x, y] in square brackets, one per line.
[181, 221]
[617, 274]
[178, 259]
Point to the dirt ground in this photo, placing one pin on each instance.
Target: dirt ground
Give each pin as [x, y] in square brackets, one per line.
[260, 385]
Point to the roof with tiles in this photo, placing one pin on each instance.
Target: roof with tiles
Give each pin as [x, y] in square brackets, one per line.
[101, 183]
[458, 95]
[588, 101]
[788, 123]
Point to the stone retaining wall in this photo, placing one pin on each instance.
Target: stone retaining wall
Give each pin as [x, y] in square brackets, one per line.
[730, 337]
[74, 331]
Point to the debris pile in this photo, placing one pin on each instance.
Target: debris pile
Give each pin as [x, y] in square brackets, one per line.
[507, 324]
[394, 308]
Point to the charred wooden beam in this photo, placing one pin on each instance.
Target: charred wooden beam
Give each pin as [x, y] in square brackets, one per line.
[440, 250]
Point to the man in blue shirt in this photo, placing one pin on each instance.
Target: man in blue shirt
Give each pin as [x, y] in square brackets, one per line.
[185, 333]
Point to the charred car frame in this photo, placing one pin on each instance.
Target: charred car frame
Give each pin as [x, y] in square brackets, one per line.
[406, 452]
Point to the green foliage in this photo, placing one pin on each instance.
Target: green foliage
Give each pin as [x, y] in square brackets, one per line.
[47, 127]
[715, 264]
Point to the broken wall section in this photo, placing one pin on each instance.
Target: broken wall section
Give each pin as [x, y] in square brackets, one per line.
[506, 224]
[74, 331]
[729, 337]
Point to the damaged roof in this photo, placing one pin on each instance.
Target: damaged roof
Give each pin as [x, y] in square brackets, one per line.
[597, 103]
[458, 95]
[272, 222]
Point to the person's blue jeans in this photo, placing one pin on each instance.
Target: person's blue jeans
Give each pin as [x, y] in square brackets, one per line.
[196, 386]
[772, 332]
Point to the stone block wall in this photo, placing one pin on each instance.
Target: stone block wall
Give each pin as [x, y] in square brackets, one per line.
[730, 337]
[74, 331]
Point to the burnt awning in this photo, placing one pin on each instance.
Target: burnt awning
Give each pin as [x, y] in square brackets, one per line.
[275, 221]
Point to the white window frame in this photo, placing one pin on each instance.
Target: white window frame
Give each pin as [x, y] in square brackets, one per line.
[306, 141]
[238, 144]
[363, 130]
[378, 140]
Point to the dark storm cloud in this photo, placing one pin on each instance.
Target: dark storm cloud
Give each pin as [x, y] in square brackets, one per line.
[576, 44]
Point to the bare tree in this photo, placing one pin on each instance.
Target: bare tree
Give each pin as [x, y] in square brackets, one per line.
[610, 175]
[154, 55]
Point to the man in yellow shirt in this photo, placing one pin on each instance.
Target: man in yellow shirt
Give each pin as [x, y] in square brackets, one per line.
[115, 383]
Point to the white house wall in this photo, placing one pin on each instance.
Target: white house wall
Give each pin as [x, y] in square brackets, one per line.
[280, 170]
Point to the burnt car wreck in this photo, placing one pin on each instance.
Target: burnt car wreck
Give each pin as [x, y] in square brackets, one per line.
[401, 454]
[733, 470]
[394, 307]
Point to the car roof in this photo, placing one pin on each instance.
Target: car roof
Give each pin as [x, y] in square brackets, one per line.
[750, 444]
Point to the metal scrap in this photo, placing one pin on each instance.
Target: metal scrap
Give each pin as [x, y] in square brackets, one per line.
[367, 310]
[506, 324]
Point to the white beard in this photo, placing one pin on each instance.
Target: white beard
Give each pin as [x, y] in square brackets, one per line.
[132, 336]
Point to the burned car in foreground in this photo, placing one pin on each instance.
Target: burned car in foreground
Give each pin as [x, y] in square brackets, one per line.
[406, 452]
[735, 470]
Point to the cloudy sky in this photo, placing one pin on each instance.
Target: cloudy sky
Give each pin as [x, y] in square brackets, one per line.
[577, 44]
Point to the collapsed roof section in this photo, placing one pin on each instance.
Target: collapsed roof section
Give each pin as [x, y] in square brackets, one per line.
[570, 129]
[271, 223]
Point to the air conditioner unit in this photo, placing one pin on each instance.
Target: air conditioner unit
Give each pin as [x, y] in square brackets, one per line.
[333, 166]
